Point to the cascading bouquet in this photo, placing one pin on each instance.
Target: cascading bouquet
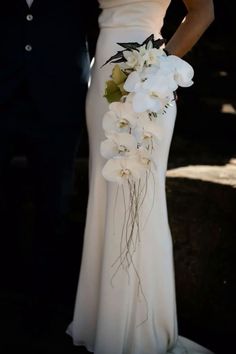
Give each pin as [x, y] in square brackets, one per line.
[143, 85]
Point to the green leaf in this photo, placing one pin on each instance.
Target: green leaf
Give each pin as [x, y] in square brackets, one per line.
[122, 90]
[112, 92]
[118, 75]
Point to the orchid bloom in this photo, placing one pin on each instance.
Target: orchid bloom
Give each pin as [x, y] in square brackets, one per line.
[183, 71]
[151, 92]
[146, 131]
[122, 169]
[123, 144]
[119, 118]
[134, 60]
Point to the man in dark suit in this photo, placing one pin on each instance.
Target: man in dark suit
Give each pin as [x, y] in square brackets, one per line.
[44, 67]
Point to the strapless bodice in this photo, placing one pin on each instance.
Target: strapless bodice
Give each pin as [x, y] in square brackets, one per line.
[132, 13]
[113, 3]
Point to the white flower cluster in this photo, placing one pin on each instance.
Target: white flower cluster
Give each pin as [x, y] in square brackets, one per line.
[130, 125]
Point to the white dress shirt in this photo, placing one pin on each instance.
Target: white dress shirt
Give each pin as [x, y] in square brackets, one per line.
[29, 2]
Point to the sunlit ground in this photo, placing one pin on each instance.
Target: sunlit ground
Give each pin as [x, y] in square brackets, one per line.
[225, 174]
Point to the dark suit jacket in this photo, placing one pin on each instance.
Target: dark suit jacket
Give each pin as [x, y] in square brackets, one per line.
[48, 50]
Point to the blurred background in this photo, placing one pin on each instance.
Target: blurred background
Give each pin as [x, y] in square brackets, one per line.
[201, 195]
[201, 183]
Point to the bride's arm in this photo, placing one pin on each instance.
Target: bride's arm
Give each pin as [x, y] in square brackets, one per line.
[200, 14]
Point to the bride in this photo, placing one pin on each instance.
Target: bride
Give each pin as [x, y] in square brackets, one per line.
[131, 311]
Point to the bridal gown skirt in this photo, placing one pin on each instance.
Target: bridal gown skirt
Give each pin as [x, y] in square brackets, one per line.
[126, 311]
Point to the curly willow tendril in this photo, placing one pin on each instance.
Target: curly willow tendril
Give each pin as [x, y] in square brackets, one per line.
[130, 234]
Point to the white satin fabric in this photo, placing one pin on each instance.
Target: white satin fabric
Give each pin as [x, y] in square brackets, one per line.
[116, 318]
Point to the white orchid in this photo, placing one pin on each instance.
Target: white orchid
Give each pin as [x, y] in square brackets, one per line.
[153, 94]
[146, 131]
[153, 56]
[162, 84]
[142, 99]
[123, 144]
[120, 170]
[152, 89]
[120, 117]
[183, 71]
[144, 49]
[133, 82]
[134, 60]
[146, 100]
[145, 157]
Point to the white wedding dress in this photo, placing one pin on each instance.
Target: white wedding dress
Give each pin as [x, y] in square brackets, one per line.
[134, 311]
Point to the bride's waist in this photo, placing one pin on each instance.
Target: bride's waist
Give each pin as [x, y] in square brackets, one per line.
[128, 30]
[144, 15]
[110, 36]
